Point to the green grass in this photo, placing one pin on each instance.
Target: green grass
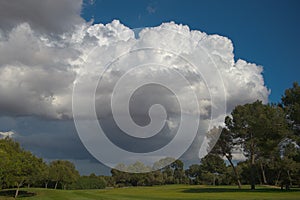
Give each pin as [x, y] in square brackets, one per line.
[174, 192]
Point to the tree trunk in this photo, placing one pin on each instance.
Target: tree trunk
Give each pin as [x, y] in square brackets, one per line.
[252, 171]
[278, 177]
[46, 185]
[263, 173]
[17, 190]
[55, 185]
[235, 173]
[289, 183]
[17, 193]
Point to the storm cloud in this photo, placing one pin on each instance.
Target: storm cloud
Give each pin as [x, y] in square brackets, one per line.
[48, 16]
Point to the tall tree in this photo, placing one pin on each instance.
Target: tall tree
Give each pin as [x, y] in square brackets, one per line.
[224, 147]
[258, 128]
[291, 104]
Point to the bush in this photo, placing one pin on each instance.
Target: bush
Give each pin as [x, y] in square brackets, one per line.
[89, 182]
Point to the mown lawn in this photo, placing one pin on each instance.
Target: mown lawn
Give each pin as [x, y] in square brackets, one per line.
[174, 192]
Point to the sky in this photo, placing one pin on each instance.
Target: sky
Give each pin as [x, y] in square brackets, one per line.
[155, 76]
[264, 32]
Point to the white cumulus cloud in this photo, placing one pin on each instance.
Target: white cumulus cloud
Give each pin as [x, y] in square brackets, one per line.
[38, 71]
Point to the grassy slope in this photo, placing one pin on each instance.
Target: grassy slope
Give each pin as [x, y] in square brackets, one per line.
[174, 192]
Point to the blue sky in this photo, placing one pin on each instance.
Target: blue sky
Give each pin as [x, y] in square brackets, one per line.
[263, 32]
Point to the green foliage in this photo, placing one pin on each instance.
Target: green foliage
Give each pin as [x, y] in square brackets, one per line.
[291, 105]
[212, 168]
[213, 163]
[193, 173]
[178, 172]
[89, 182]
[225, 146]
[137, 167]
[17, 165]
[4, 165]
[171, 173]
[63, 172]
[258, 128]
[291, 102]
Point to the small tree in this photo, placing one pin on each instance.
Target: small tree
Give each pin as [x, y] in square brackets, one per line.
[18, 165]
[45, 174]
[179, 175]
[194, 172]
[63, 172]
[38, 174]
[89, 182]
[212, 166]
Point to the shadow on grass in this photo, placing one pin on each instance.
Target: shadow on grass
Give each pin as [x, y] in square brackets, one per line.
[11, 193]
[215, 189]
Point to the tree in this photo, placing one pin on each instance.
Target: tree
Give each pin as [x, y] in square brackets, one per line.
[168, 172]
[38, 173]
[258, 129]
[131, 174]
[194, 172]
[164, 162]
[89, 182]
[291, 103]
[291, 155]
[156, 178]
[288, 163]
[120, 177]
[164, 166]
[45, 174]
[211, 166]
[63, 172]
[178, 174]
[109, 180]
[18, 166]
[138, 167]
[5, 164]
[224, 147]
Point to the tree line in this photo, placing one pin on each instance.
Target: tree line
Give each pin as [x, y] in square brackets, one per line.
[269, 136]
